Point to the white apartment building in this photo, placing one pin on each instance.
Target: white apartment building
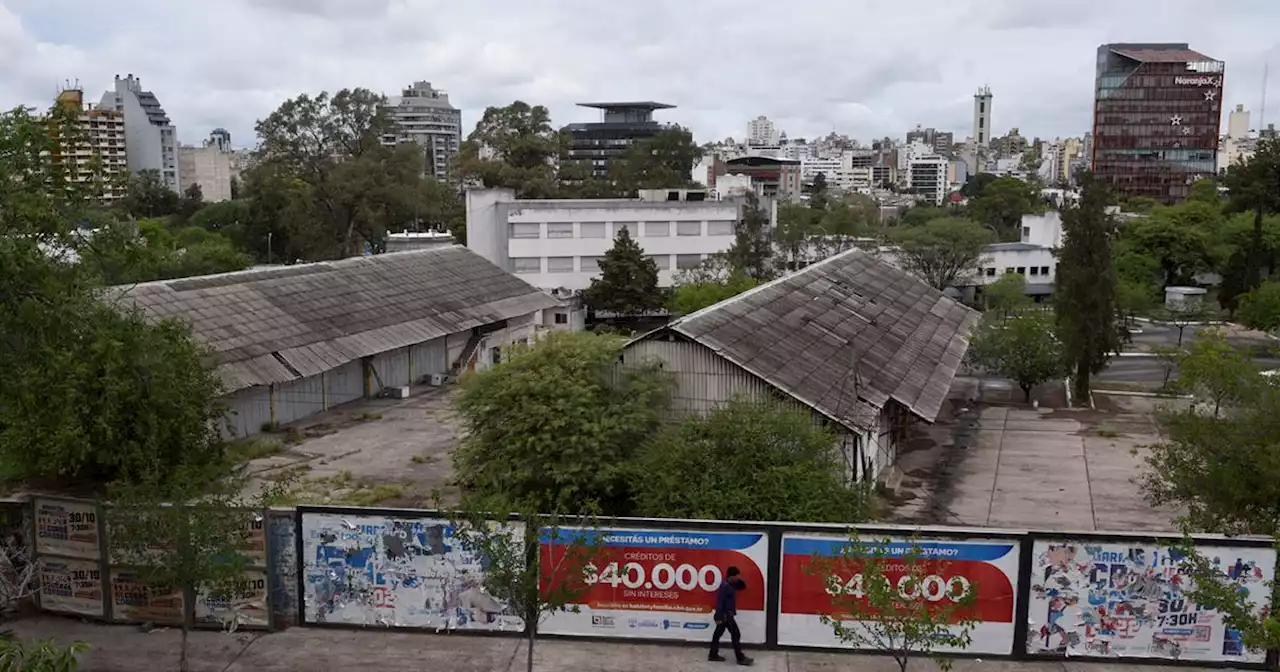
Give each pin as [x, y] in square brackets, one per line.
[927, 177]
[423, 115]
[558, 244]
[761, 131]
[150, 137]
[1032, 257]
[104, 139]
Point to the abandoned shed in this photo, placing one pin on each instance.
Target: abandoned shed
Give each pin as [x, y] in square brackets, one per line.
[292, 341]
[861, 344]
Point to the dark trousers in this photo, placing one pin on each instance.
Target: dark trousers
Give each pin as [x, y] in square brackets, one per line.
[734, 634]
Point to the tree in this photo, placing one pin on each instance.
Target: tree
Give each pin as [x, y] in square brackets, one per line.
[43, 655]
[692, 297]
[1022, 348]
[1205, 191]
[1007, 295]
[191, 202]
[1254, 186]
[178, 534]
[1183, 315]
[878, 600]
[921, 214]
[148, 196]
[513, 147]
[546, 570]
[1260, 308]
[128, 253]
[1133, 299]
[554, 425]
[1220, 374]
[752, 247]
[1140, 204]
[1234, 242]
[1002, 204]
[1220, 467]
[747, 460]
[976, 183]
[237, 190]
[944, 251]
[1242, 597]
[628, 282]
[664, 161]
[1181, 251]
[1085, 290]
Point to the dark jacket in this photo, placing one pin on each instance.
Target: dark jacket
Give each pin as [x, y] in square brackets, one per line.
[726, 600]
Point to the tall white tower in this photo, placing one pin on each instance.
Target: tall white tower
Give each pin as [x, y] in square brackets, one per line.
[1238, 123]
[982, 117]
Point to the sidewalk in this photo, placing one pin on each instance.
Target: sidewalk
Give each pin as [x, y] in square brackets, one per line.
[121, 648]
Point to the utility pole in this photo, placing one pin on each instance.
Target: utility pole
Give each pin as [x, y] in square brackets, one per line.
[269, 248]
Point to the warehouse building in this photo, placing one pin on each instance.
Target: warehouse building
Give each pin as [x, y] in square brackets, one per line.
[289, 342]
[862, 345]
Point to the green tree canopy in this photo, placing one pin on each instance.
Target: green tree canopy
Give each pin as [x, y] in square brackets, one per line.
[1254, 186]
[628, 282]
[148, 196]
[1002, 204]
[513, 147]
[746, 460]
[664, 161]
[944, 251]
[1022, 348]
[691, 297]
[1260, 308]
[1008, 294]
[1180, 250]
[554, 426]
[752, 249]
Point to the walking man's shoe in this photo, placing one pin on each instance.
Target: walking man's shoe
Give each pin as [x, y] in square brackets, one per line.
[745, 661]
[715, 658]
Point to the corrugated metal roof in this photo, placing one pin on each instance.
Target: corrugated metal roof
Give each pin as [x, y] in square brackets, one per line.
[840, 334]
[277, 324]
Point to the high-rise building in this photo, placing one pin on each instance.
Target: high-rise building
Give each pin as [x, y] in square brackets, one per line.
[208, 166]
[1238, 122]
[424, 116]
[982, 116]
[761, 131]
[1156, 115]
[940, 141]
[151, 138]
[597, 144]
[100, 152]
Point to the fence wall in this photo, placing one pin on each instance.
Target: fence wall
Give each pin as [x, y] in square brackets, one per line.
[1038, 594]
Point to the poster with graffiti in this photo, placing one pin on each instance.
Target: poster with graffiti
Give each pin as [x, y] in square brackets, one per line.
[254, 545]
[396, 572]
[655, 584]
[67, 528]
[1131, 599]
[134, 601]
[243, 605]
[952, 569]
[71, 586]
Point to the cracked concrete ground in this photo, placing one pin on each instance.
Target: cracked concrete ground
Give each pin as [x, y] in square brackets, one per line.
[1011, 466]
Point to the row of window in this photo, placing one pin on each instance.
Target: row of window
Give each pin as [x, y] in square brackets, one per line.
[601, 229]
[592, 264]
[1036, 271]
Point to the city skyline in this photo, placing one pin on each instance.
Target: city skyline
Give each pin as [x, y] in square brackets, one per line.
[229, 72]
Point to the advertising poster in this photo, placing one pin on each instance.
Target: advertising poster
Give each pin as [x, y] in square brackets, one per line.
[987, 566]
[67, 528]
[1130, 599]
[255, 542]
[244, 607]
[396, 572]
[132, 600]
[71, 586]
[661, 584]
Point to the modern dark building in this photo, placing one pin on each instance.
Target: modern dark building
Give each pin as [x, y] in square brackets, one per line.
[1156, 115]
[622, 124]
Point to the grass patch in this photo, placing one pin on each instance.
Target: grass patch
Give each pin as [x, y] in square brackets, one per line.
[243, 451]
[340, 489]
[1106, 433]
[422, 459]
[367, 416]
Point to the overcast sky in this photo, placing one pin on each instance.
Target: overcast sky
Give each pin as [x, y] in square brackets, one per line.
[866, 68]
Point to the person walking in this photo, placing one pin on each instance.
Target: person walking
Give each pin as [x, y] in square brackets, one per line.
[725, 616]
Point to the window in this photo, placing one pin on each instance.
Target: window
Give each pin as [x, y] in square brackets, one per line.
[1044, 270]
[1008, 269]
[662, 260]
[562, 318]
[981, 121]
[526, 230]
[1035, 271]
[526, 264]
[1022, 270]
[589, 264]
[689, 228]
[560, 229]
[991, 272]
[657, 229]
[559, 264]
[495, 355]
[1026, 232]
[629, 227]
[720, 228]
[592, 230]
[687, 261]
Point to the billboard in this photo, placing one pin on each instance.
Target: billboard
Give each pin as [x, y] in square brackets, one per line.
[661, 584]
[245, 607]
[988, 566]
[1130, 599]
[133, 600]
[394, 571]
[71, 586]
[67, 528]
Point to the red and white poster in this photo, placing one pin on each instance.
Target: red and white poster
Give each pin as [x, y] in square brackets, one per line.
[988, 566]
[660, 584]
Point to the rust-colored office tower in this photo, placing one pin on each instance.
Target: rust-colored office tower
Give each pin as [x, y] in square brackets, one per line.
[1156, 113]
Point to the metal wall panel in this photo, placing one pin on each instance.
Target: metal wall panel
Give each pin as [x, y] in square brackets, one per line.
[247, 411]
[345, 383]
[392, 368]
[299, 399]
[428, 358]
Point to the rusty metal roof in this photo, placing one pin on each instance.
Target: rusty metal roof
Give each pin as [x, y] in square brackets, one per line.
[848, 331]
[278, 324]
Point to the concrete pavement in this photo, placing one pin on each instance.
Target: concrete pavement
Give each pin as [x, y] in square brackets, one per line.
[119, 648]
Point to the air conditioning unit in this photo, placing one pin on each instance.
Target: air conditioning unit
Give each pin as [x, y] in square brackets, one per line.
[435, 379]
[396, 392]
